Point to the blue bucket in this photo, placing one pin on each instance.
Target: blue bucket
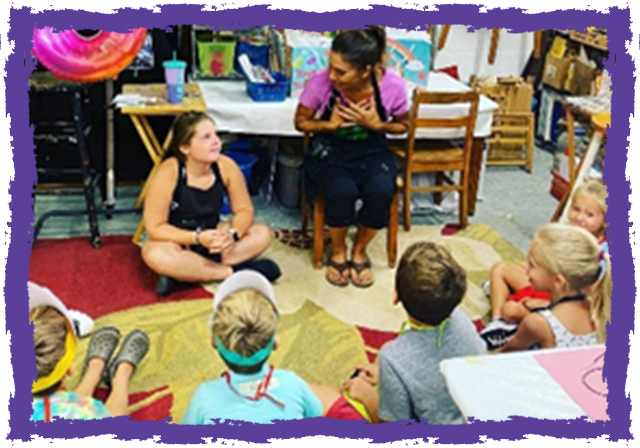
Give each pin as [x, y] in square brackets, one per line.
[245, 162]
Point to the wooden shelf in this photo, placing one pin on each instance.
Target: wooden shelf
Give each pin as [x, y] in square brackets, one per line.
[592, 39]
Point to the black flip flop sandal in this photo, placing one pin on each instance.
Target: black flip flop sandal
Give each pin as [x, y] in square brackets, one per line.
[341, 268]
[359, 267]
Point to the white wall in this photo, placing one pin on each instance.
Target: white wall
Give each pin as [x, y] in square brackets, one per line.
[470, 52]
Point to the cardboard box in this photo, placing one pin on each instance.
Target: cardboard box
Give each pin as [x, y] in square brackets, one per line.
[555, 72]
[580, 78]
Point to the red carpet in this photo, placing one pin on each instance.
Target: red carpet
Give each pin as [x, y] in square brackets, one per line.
[99, 281]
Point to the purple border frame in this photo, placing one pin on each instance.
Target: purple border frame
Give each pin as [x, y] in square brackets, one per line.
[19, 68]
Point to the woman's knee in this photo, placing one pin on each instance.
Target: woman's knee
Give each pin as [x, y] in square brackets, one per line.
[380, 187]
[341, 190]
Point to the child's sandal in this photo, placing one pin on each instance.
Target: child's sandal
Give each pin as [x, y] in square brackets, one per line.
[102, 345]
[133, 350]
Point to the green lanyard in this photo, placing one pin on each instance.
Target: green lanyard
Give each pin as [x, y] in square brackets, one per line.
[440, 327]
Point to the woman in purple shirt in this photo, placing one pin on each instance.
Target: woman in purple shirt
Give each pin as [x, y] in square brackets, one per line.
[349, 108]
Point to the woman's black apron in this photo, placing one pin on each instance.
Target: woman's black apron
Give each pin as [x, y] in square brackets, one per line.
[354, 151]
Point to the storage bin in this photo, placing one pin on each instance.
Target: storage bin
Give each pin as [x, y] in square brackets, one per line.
[263, 92]
[287, 181]
[245, 162]
[258, 55]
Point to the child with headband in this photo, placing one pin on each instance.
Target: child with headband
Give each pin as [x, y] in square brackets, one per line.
[511, 294]
[567, 262]
[243, 328]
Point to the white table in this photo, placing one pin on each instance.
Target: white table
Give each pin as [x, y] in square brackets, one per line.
[495, 387]
[234, 111]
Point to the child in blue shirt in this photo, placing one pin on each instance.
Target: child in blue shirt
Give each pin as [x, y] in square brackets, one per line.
[243, 328]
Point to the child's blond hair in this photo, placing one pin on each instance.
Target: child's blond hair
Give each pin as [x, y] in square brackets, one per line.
[245, 322]
[573, 253]
[594, 188]
[49, 334]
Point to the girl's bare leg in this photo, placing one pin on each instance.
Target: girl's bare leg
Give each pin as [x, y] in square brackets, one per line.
[514, 312]
[504, 278]
[174, 261]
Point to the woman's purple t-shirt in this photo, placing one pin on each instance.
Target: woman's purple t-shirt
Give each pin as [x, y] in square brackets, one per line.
[393, 93]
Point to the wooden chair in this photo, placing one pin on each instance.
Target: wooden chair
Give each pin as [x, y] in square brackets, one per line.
[439, 156]
[315, 209]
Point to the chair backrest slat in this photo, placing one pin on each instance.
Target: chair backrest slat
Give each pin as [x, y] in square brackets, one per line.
[459, 122]
[469, 100]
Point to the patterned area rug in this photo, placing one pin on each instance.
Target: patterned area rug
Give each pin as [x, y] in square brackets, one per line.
[323, 333]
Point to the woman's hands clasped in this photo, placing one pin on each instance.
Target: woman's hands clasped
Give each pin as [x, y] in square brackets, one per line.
[363, 113]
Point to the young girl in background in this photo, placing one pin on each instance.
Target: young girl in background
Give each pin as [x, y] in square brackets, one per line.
[567, 262]
[512, 296]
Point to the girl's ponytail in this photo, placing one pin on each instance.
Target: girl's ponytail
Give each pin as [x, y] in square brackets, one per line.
[600, 298]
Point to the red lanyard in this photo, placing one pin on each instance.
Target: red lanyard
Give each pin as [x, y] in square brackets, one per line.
[261, 390]
[47, 409]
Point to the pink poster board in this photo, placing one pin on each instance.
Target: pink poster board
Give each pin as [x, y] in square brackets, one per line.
[579, 373]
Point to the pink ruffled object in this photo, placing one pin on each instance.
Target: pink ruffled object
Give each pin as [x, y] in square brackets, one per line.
[68, 55]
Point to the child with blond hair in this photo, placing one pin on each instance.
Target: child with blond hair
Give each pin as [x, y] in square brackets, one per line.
[55, 342]
[243, 328]
[512, 296]
[567, 262]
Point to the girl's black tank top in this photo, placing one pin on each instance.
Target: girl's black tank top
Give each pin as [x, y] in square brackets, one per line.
[193, 208]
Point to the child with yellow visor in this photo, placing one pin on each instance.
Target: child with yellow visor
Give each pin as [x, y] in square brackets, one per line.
[55, 345]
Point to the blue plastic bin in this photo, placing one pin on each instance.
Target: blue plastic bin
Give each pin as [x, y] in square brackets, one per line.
[257, 54]
[263, 92]
[245, 162]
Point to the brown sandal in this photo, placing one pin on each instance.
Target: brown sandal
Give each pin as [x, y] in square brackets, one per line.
[341, 268]
[359, 267]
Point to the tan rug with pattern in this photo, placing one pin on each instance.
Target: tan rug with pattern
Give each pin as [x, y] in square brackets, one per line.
[324, 330]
